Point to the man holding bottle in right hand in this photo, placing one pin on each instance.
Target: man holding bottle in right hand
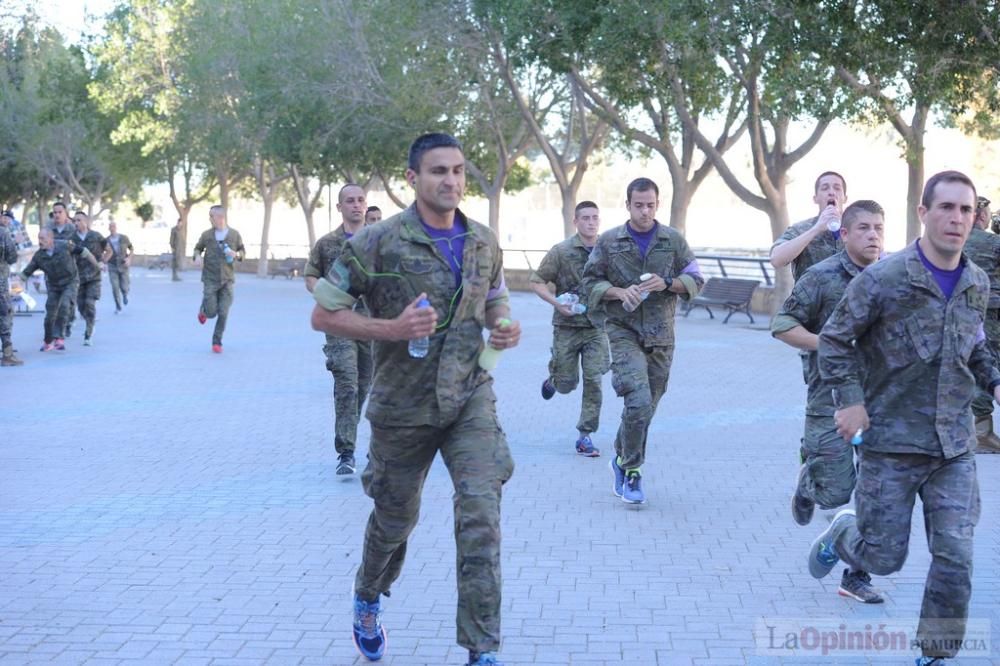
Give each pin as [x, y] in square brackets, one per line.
[811, 241]
[634, 275]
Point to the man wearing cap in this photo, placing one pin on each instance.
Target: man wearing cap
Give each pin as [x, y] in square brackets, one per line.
[983, 248]
[8, 257]
[811, 241]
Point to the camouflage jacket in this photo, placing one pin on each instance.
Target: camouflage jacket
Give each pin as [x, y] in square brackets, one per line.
[94, 242]
[390, 264]
[175, 238]
[8, 257]
[615, 262]
[894, 344]
[810, 304]
[216, 270]
[983, 248]
[68, 232]
[823, 246]
[326, 251]
[125, 250]
[59, 267]
[563, 266]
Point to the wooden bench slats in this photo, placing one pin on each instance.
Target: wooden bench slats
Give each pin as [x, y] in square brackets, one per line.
[733, 294]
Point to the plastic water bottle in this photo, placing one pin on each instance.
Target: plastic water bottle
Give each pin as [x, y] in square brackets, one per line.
[420, 346]
[225, 253]
[490, 356]
[834, 224]
[573, 301]
[645, 294]
[857, 439]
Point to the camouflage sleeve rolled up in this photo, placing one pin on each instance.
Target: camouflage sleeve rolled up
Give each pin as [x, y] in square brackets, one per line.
[497, 294]
[839, 364]
[238, 247]
[686, 270]
[199, 247]
[801, 308]
[313, 265]
[548, 270]
[348, 278]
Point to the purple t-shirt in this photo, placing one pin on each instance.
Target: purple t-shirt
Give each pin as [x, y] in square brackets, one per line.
[451, 244]
[945, 279]
[643, 238]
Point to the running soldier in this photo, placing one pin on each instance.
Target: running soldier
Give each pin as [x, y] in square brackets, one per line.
[350, 361]
[635, 274]
[576, 342]
[221, 246]
[89, 289]
[903, 352]
[63, 229]
[118, 258]
[827, 475]
[429, 264]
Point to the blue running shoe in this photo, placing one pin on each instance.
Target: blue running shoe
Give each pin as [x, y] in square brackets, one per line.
[632, 491]
[619, 475]
[548, 390]
[483, 659]
[822, 555]
[585, 447]
[369, 635]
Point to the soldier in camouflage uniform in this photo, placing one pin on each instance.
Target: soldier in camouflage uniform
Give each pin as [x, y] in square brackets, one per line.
[443, 402]
[176, 251]
[827, 474]
[63, 229]
[350, 361]
[8, 257]
[811, 241]
[639, 319]
[89, 289]
[576, 341]
[983, 248]
[906, 346]
[222, 246]
[118, 256]
[57, 260]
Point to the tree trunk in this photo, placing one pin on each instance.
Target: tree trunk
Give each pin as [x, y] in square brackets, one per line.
[783, 282]
[680, 199]
[494, 199]
[915, 171]
[265, 232]
[224, 190]
[568, 210]
[310, 227]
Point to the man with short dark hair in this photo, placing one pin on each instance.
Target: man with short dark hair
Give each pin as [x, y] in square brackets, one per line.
[434, 278]
[222, 246]
[576, 342]
[63, 229]
[57, 260]
[903, 352]
[8, 257]
[983, 249]
[373, 215]
[349, 361]
[89, 289]
[634, 275]
[118, 257]
[811, 241]
[827, 475]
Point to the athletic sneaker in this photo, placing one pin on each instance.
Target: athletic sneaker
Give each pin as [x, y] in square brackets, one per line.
[548, 390]
[346, 465]
[58, 344]
[87, 342]
[857, 585]
[585, 447]
[201, 317]
[802, 507]
[46, 346]
[822, 555]
[217, 349]
[619, 475]
[483, 659]
[632, 491]
[368, 632]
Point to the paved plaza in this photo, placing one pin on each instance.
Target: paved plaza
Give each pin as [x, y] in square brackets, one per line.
[163, 505]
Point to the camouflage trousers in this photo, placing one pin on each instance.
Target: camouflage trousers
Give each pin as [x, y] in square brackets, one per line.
[350, 362]
[6, 312]
[573, 347]
[58, 307]
[639, 375]
[87, 295]
[175, 266]
[888, 484]
[982, 404]
[475, 452]
[119, 278]
[216, 301]
[830, 476]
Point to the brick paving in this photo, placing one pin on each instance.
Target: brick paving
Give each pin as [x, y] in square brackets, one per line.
[163, 505]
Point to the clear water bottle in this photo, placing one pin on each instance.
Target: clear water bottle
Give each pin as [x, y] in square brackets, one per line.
[420, 346]
[490, 356]
[833, 225]
[645, 294]
[573, 301]
[225, 253]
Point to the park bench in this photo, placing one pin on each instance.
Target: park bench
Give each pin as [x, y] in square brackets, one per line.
[161, 262]
[290, 268]
[734, 294]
